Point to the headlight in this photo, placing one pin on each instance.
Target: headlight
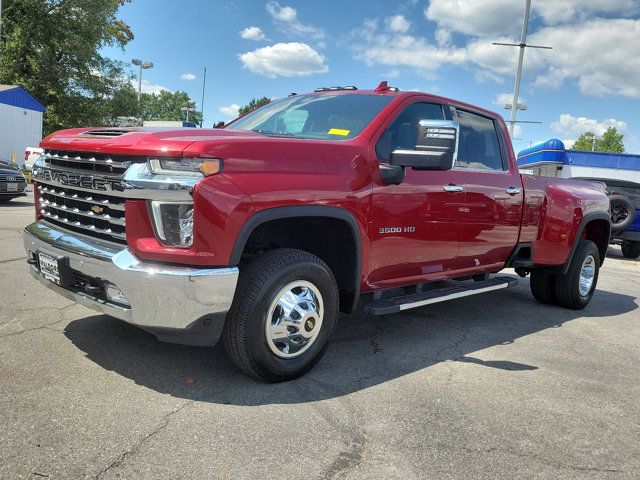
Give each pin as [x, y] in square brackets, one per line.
[173, 223]
[190, 167]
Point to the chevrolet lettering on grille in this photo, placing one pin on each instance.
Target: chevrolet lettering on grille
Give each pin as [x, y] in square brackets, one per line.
[83, 181]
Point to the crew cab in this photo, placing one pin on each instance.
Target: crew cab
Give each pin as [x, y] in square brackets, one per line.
[260, 232]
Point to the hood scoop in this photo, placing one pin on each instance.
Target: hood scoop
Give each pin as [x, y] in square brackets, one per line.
[106, 132]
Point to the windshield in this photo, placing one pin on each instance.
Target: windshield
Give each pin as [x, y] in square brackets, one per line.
[327, 117]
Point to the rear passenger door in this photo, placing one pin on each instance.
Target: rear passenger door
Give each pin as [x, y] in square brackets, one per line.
[490, 218]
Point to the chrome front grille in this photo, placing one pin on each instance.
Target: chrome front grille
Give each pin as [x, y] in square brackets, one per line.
[94, 214]
[93, 162]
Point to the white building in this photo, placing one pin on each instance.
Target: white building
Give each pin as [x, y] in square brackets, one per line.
[20, 123]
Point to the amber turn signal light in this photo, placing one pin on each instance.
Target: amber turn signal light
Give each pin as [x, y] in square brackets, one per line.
[211, 167]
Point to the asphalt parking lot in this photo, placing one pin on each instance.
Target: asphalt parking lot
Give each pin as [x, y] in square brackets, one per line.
[492, 386]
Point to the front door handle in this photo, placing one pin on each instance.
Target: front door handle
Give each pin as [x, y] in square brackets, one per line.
[451, 188]
[513, 191]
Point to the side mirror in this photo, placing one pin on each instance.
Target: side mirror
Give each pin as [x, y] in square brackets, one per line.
[436, 147]
[218, 125]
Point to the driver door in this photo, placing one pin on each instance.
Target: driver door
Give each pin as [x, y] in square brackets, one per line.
[415, 227]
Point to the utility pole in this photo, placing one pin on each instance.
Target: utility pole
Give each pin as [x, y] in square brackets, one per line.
[143, 66]
[204, 83]
[522, 45]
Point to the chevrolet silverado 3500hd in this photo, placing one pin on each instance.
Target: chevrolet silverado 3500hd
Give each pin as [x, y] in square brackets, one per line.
[262, 231]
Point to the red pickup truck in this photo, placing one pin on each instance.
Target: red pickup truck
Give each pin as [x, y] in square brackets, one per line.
[262, 231]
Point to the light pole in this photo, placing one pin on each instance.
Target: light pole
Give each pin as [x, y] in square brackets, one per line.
[522, 45]
[143, 66]
[186, 109]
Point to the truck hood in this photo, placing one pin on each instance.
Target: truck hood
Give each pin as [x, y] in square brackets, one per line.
[136, 141]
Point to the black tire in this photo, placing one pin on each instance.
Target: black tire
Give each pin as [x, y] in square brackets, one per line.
[543, 286]
[623, 212]
[568, 286]
[245, 336]
[631, 249]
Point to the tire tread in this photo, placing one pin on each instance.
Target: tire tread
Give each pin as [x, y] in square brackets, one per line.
[252, 279]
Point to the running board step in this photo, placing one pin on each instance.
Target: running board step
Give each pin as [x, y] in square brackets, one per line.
[388, 306]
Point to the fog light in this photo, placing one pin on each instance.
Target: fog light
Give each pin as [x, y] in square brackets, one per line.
[173, 223]
[114, 294]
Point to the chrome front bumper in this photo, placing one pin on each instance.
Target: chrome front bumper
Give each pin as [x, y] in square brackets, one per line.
[161, 297]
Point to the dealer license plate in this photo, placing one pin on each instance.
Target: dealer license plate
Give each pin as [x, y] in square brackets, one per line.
[12, 187]
[49, 267]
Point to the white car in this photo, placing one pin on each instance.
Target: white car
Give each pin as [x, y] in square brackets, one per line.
[31, 154]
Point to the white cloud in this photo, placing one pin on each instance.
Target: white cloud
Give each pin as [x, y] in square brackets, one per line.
[559, 11]
[572, 127]
[398, 23]
[499, 17]
[148, 87]
[502, 99]
[376, 47]
[284, 60]
[284, 14]
[517, 131]
[588, 53]
[232, 110]
[287, 20]
[443, 37]
[253, 33]
[477, 17]
[188, 76]
[594, 54]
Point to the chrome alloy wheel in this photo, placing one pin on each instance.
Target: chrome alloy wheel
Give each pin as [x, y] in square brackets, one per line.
[294, 319]
[587, 274]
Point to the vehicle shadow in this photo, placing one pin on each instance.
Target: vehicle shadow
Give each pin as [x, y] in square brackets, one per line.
[17, 203]
[365, 351]
[616, 254]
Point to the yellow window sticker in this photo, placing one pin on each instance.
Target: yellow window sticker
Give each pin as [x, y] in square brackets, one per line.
[339, 131]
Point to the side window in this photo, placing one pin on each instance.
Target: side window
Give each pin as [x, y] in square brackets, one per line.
[479, 147]
[402, 133]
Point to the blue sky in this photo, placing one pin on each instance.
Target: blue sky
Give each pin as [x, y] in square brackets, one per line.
[251, 48]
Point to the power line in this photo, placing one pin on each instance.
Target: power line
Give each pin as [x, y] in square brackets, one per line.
[522, 45]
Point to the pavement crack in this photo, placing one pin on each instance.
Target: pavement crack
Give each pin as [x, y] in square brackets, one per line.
[13, 259]
[164, 422]
[46, 326]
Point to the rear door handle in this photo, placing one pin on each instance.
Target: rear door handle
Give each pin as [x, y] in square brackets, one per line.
[513, 191]
[451, 188]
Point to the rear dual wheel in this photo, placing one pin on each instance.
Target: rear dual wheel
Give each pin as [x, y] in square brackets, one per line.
[575, 289]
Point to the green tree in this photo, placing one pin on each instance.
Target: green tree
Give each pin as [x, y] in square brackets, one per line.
[611, 141]
[168, 106]
[253, 104]
[51, 49]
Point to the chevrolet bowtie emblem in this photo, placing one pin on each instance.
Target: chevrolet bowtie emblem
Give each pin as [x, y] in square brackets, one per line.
[97, 209]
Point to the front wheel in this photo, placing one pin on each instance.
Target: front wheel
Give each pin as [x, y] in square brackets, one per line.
[575, 289]
[631, 249]
[283, 314]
